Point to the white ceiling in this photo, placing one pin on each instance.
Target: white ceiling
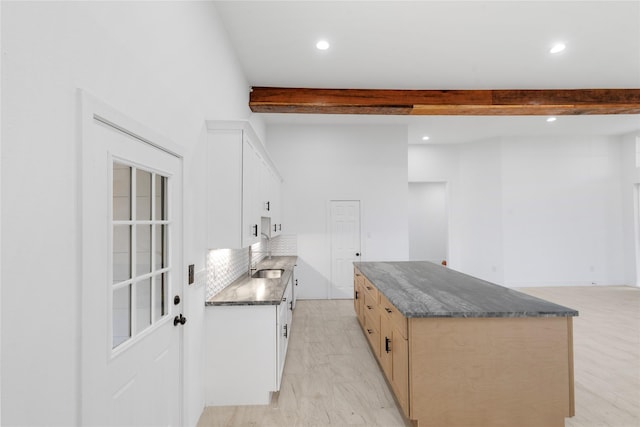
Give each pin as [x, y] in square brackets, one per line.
[443, 45]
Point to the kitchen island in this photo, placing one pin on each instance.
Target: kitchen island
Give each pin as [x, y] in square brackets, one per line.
[458, 351]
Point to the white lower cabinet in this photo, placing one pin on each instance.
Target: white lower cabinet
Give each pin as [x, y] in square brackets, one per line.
[245, 351]
[285, 311]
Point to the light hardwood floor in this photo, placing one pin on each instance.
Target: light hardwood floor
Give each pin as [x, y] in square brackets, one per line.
[332, 379]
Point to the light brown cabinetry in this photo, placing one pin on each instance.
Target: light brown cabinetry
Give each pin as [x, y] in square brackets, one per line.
[358, 296]
[386, 331]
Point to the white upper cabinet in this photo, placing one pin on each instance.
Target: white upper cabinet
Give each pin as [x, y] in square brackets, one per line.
[242, 184]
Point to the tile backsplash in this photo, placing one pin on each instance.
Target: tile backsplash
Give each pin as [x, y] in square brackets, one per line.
[224, 266]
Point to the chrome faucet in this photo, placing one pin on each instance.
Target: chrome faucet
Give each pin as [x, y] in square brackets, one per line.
[251, 252]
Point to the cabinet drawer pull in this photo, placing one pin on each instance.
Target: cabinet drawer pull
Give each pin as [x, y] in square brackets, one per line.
[369, 331]
[356, 294]
[370, 307]
[388, 310]
[369, 287]
[387, 344]
[286, 332]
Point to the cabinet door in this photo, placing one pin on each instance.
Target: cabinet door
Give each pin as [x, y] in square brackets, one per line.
[276, 201]
[357, 298]
[400, 370]
[386, 347]
[250, 208]
[224, 189]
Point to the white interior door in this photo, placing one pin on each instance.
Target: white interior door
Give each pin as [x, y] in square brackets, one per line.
[345, 246]
[131, 259]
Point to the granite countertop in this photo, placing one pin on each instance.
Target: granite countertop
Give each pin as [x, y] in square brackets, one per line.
[251, 291]
[425, 289]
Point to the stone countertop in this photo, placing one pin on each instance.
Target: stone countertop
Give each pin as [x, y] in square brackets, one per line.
[252, 291]
[425, 289]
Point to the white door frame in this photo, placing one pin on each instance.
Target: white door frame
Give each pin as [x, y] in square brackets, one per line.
[636, 225]
[91, 109]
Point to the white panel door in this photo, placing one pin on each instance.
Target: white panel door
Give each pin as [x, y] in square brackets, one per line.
[345, 246]
[131, 259]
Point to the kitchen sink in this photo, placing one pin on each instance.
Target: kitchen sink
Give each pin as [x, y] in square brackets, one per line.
[268, 273]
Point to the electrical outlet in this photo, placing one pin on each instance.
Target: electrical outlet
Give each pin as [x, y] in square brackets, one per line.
[192, 273]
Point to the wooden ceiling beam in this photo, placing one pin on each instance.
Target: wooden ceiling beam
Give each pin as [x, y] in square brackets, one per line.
[501, 102]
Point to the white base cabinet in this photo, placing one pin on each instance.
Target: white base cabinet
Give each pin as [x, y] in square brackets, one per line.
[245, 351]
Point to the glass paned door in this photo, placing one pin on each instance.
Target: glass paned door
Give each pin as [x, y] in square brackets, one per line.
[140, 258]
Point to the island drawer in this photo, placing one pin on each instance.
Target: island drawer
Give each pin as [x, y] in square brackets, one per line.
[371, 290]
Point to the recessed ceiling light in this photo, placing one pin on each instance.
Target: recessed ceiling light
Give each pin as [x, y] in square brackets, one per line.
[323, 45]
[551, 119]
[557, 48]
[425, 138]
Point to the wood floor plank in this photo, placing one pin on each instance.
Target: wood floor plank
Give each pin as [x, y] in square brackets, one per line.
[332, 379]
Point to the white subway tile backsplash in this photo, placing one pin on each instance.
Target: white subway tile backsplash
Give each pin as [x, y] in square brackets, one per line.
[224, 266]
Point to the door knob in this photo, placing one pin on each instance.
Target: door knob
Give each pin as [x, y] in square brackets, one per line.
[179, 319]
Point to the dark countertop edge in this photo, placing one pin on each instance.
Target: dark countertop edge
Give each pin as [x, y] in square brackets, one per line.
[502, 314]
[242, 303]
[265, 263]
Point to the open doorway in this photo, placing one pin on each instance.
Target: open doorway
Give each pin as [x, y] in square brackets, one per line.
[637, 231]
[428, 222]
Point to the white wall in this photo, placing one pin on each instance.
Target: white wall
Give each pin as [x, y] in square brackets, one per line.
[533, 211]
[563, 211]
[631, 208]
[428, 221]
[166, 65]
[323, 163]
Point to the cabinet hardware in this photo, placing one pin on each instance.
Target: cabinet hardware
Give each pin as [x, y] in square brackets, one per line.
[357, 253]
[356, 294]
[369, 287]
[291, 305]
[268, 206]
[255, 230]
[275, 228]
[286, 332]
[279, 227]
[388, 310]
[179, 320]
[387, 344]
[176, 300]
[369, 331]
[370, 307]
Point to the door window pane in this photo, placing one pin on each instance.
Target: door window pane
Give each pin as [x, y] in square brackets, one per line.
[121, 315]
[143, 249]
[143, 195]
[143, 304]
[161, 247]
[161, 199]
[160, 296]
[121, 192]
[121, 253]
